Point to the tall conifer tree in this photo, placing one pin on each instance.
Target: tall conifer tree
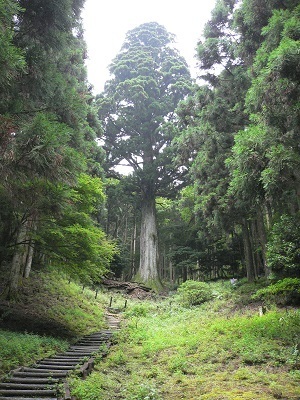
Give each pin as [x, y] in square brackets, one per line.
[149, 78]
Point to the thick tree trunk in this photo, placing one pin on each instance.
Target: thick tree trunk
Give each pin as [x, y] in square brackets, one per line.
[148, 270]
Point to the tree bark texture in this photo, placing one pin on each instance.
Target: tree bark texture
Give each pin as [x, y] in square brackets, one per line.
[148, 241]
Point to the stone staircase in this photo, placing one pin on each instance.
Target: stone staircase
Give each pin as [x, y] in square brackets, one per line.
[46, 380]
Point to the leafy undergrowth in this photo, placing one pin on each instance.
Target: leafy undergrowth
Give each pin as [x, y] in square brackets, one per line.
[49, 304]
[23, 348]
[213, 351]
[49, 311]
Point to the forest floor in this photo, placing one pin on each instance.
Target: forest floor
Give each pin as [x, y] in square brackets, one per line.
[220, 350]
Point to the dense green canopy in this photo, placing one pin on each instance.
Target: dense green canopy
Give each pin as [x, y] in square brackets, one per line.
[215, 167]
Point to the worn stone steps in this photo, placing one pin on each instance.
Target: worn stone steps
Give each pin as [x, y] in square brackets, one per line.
[29, 392]
[43, 380]
[33, 380]
[39, 374]
[13, 385]
[27, 398]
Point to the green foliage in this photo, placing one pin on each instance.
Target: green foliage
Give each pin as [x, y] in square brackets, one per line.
[49, 156]
[24, 348]
[145, 392]
[71, 237]
[91, 389]
[11, 57]
[283, 247]
[192, 293]
[272, 102]
[138, 310]
[44, 150]
[283, 292]
[239, 137]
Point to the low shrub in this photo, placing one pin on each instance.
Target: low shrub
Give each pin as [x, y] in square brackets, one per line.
[283, 292]
[283, 249]
[192, 293]
[139, 310]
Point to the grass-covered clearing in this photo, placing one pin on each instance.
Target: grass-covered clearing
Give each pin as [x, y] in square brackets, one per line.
[213, 351]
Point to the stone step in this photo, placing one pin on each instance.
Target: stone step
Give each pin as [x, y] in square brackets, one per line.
[29, 392]
[79, 353]
[48, 371]
[64, 357]
[54, 367]
[85, 350]
[34, 373]
[26, 398]
[95, 335]
[59, 362]
[13, 385]
[33, 380]
[39, 381]
[96, 344]
[107, 333]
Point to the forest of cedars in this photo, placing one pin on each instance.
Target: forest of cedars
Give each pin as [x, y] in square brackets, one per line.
[214, 182]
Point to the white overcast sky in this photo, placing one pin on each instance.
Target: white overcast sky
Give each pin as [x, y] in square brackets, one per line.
[107, 22]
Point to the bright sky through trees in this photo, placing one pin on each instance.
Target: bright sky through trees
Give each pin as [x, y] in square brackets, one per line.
[106, 24]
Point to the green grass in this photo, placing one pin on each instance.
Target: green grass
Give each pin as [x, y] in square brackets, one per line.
[23, 349]
[214, 351]
[220, 350]
[48, 298]
[80, 312]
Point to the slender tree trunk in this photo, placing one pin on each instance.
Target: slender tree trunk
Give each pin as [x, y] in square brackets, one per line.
[17, 263]
[255, 246]
[248, 252]
[148, 270]
[126, 227]
[31, 227]
[133, 249]
[171, 271]
[29, 259]
[263, 241]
